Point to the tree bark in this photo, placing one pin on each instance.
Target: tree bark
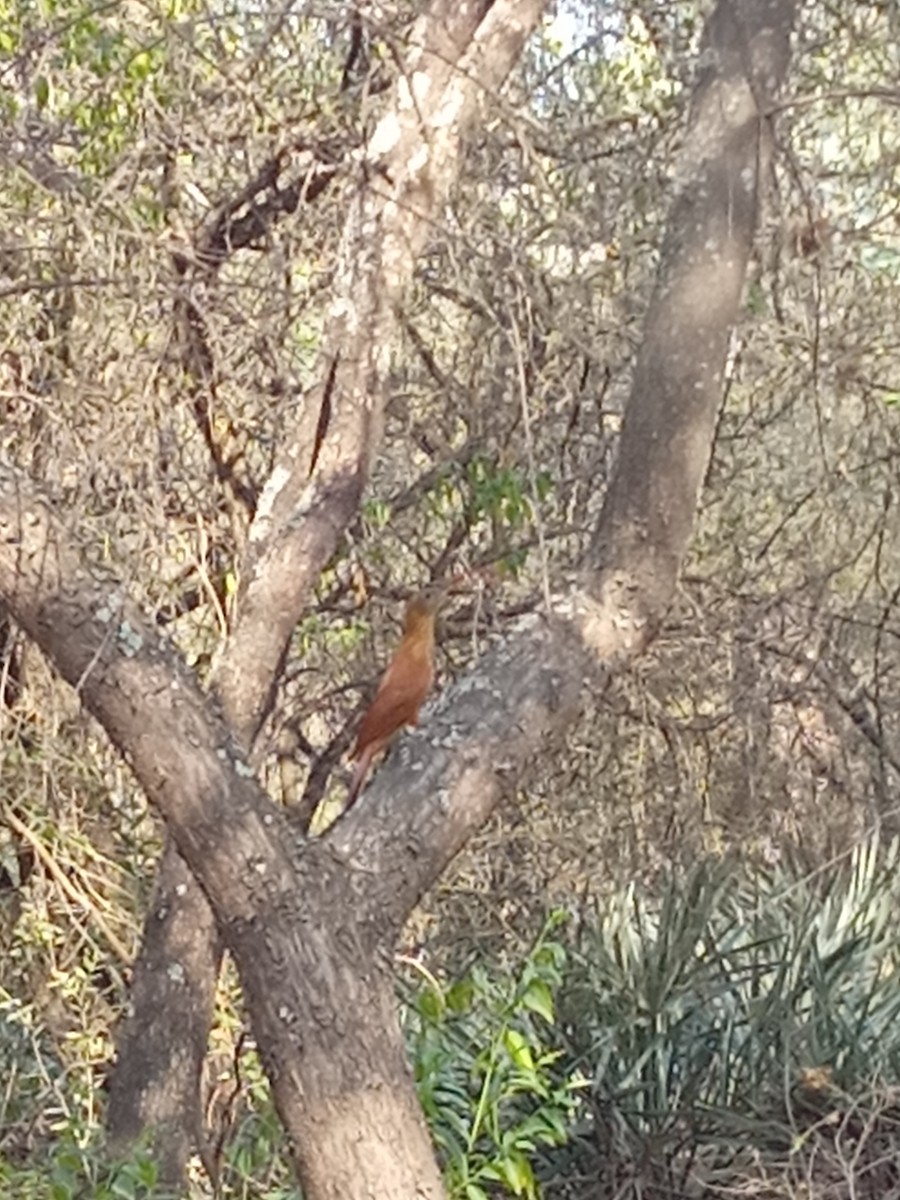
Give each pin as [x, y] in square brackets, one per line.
[154, 1088]
[311, 924]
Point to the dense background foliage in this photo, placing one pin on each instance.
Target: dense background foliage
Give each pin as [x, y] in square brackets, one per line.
[153, 337]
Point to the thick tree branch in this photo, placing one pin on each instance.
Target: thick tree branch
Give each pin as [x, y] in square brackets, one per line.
[130, 679]
[666, 435]
[524, 686]
[288, 919]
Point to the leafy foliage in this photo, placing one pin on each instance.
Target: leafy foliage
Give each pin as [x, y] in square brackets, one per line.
[488, 1080]
[736, 1012]
[745, 1021]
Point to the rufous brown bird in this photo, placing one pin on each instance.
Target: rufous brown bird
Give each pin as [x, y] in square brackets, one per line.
[403, 687]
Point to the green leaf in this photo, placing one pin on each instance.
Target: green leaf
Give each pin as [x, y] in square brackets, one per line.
[519, 1175]
[474, 1192]
[459, 997]
[539, 999]
[430, 1004]
[518, 1049]
[141, 65]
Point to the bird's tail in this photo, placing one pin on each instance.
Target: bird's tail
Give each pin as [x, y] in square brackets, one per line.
[360, 771]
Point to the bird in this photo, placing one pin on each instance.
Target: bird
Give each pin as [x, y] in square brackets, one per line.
[403, 687]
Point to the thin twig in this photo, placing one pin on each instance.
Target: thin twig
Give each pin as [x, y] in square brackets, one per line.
[65, 884]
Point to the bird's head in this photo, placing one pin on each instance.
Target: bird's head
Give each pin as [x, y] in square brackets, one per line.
[422, 609]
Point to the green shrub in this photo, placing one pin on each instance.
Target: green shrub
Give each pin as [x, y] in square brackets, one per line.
[488, 1079]
[735, 1012]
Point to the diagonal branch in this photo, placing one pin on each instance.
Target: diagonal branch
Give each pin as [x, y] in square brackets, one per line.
[410, 164]
[133, 682]
[523, 689]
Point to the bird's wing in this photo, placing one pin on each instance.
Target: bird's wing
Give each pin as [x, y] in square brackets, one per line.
[400, 694]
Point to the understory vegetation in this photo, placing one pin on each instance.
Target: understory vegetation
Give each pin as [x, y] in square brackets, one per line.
[739, 1033]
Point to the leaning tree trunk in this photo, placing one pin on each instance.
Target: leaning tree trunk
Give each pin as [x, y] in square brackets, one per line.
[312, 924]
[458, 55]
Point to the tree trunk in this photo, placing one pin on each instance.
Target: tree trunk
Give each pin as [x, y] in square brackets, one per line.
[341, 1077]
[460, 52]
[155, 1085]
